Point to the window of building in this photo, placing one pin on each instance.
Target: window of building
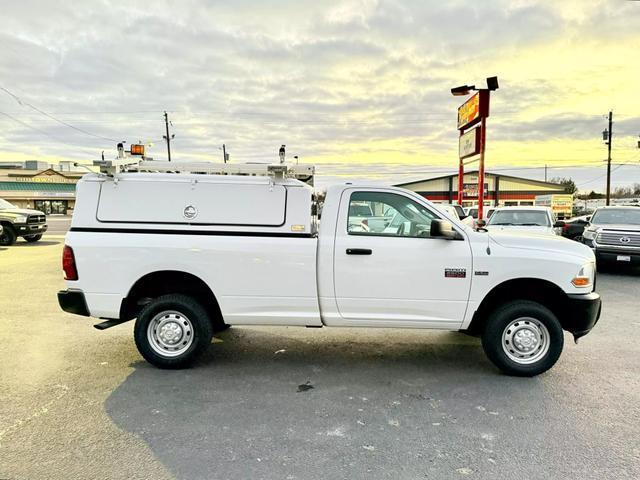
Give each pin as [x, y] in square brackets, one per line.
[52, 207]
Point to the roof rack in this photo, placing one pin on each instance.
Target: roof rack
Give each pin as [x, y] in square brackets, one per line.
[304, 173]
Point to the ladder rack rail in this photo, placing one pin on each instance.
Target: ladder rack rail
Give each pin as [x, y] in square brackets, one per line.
[300, 172]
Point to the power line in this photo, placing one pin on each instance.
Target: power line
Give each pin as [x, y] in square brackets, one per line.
[21, 102]
[38, 130]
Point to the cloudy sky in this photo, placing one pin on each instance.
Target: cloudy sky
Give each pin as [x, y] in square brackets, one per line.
[359, 87]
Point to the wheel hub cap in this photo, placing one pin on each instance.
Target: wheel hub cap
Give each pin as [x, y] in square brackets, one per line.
[170, 333]
[525, 340]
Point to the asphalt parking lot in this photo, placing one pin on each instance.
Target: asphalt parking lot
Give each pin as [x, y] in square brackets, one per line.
[81, 404]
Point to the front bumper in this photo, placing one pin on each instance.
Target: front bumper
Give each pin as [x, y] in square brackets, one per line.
[25, 229]
[583, 312]
[73, 301]
[631, 257]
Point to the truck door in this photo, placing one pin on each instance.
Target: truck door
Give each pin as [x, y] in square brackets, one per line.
[393, 273]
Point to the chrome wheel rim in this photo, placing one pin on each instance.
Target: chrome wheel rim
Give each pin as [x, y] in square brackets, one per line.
[170, 333]
[525, 340]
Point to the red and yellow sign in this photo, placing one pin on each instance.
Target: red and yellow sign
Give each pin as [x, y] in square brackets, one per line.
[471, 111]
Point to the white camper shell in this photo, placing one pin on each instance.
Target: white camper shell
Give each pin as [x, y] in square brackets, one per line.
[195, 202]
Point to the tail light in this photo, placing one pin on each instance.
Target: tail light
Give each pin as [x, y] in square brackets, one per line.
[69, 264]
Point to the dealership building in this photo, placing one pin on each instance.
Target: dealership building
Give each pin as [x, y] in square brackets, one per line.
[499, 190]
[40, 186]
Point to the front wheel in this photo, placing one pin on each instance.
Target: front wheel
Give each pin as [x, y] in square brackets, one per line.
[172, 331]
[523, 338]
[8, 236]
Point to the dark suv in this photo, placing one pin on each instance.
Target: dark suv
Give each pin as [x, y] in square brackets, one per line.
[19, 222]
[614, 234]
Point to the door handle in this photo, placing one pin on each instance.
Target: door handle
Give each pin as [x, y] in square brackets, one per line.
[359, 251]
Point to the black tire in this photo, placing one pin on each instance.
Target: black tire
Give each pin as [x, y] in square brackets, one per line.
[199, 332]
[33, 238]
[496, 326]
[8, 236]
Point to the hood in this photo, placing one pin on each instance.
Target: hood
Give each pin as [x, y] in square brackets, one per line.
[541, 242]
[522, 228]
[626, 227]
[19, 211]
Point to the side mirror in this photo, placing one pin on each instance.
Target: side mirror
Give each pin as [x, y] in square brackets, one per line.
[589, 218]
[442, 229]
[558, 224]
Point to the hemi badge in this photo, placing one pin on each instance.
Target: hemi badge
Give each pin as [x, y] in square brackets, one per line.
[482, 273]
[455, 272]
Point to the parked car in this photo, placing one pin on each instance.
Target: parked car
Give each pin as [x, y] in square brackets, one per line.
[574, 227]
[524, 219]
[473, 212]
[159, 249]
[20, 222]
[614, 235]
[454, 211]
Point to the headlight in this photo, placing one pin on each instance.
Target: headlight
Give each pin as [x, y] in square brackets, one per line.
[21, 219]
[585, 275]
[588, 234]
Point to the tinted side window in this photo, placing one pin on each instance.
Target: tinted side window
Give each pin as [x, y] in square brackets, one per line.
[389, 214]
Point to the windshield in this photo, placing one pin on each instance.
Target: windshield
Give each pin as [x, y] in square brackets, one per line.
[360, 210]
[616, 215]
[460, 211]
[520, 217]
[4, 205]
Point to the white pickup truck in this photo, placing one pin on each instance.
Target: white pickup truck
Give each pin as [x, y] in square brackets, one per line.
[188, 254]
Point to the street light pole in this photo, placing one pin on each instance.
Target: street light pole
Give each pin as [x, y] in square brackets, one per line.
[469, 114]
[460, 177]
[166, 125]
[483, 136]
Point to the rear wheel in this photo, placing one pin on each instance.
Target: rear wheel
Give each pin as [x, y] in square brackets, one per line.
[523, 338]
[8, 236]
[33, 238]
[172, 331]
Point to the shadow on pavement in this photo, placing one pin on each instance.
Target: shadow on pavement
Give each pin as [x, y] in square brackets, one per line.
[22, 243]
[406, 405]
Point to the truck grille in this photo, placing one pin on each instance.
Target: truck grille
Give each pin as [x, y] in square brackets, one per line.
[619, 239]
[36, 219]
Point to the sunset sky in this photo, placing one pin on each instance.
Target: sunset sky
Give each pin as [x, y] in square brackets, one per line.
[357, 86]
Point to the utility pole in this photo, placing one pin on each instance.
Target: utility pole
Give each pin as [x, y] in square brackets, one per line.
[167, 137]
[224, 153]
[606, 135]
[545, 172]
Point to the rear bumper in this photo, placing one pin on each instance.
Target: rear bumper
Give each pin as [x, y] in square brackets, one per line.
[583, 312]
[73, 301]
